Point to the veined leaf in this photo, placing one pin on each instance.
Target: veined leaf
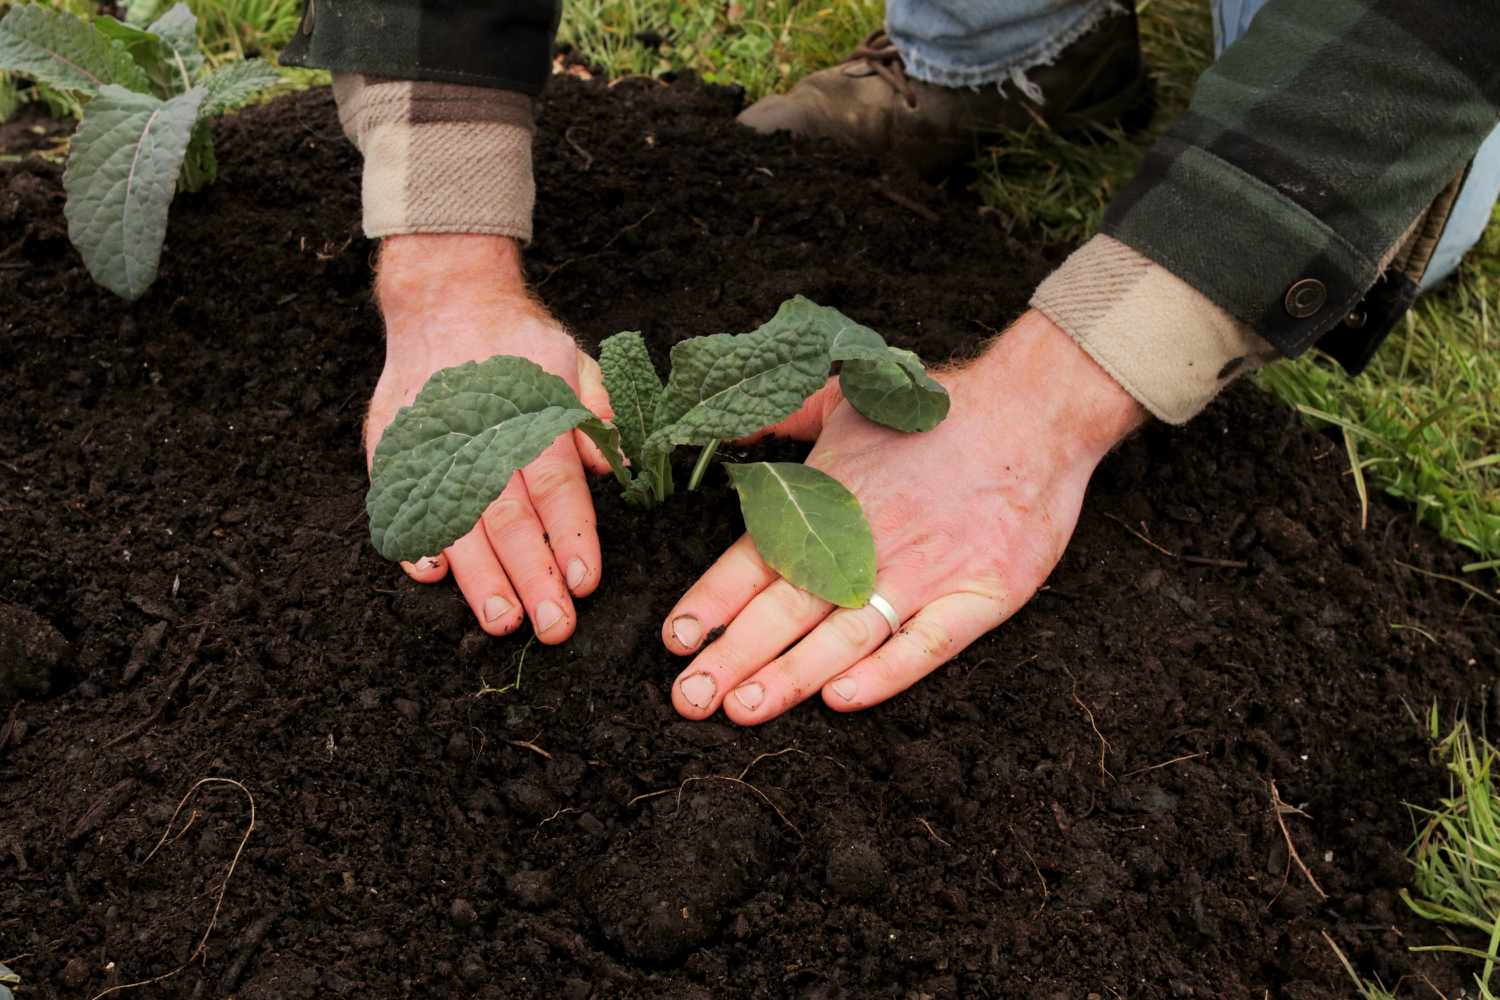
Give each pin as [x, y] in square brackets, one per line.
[121, 175]
[634, 389]
[178, 31]
[62, 51]
[448, 455]
[886, 384]
[235, 84]
[726, 386]
[898, 395]
[808, 528]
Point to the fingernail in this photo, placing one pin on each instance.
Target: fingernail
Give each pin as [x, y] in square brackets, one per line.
[548, 614]
[750, 695]
[495, 607]
[699, 690]
[687, 630]
[576, 572]
[428, 563]
[845, 688]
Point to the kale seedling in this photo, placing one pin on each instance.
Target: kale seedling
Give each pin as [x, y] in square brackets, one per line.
[447, 456]
[147, 98]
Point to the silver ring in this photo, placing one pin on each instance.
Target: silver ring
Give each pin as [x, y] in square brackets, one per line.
[886, 611]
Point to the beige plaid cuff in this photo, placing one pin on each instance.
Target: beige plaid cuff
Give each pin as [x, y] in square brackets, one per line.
[439, 157]
[1159, 337]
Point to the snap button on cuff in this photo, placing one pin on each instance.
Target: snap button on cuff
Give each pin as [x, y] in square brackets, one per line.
[1305, 297]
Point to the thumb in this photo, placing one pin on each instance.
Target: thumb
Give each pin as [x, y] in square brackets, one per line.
[807, 423]
[591, 388]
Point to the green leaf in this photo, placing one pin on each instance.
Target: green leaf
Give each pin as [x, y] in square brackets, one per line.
[634, 389]
[140, 13]
[447, 456]
[608, 440]
[6, 994]
[199, 167]
[62, 51]
[893, 393]
[808, 528]
[9, 978]
[10, 97]
[178, 31]
[121, 176]
[726, 386]
[235, 84]
[886, 384]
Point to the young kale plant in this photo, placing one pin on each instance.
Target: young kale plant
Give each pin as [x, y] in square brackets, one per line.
[147, 98]
[448, 455]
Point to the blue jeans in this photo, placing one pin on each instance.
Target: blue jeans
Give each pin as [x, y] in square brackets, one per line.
[974, 43]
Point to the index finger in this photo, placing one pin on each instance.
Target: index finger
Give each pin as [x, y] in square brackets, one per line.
[718, 596]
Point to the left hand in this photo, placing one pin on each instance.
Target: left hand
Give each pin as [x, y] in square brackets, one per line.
[969, 519]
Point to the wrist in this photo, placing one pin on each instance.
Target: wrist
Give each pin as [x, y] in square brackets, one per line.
[422, 271]
[1035, 374]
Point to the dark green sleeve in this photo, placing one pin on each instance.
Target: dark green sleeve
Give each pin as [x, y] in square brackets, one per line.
[1309, 160]
[506, 44]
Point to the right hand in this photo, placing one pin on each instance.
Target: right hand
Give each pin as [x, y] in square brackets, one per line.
[447, 299]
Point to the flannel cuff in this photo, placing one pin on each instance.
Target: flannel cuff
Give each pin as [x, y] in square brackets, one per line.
[1164, 341]
[440, 157]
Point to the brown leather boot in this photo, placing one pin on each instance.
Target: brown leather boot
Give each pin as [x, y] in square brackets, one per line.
[869, 104]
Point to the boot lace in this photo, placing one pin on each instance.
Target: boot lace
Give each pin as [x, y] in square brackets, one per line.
[879, 53]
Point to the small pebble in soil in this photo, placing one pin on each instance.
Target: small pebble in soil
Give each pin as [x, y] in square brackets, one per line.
[31, 653]
[532, 889]
[855, 871]
[462, 913]
[76, 972]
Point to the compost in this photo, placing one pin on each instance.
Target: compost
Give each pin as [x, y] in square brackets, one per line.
[1079, 806]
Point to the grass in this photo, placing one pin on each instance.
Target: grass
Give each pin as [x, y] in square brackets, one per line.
[1456, 853]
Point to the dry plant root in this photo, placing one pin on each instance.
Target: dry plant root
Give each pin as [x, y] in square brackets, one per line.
[223, 886]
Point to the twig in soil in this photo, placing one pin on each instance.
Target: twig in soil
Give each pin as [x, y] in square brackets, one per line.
[1195, 560]
[1451, 579]
[145, 651]
[915, 207]
[1103, 743]
[597, 253]
[223, 885]
[721, 777]
[588, 158]
[527, 744]
[931, 832]
[1280, 809]
[737, 781]
[1165, 763]
[1034, 867]
[170, 695]
[560, 812]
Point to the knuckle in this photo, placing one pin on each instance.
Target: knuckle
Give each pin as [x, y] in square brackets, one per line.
[852, 627]
[548, 481]
[794, 602]
[931, 636]
[505, 515]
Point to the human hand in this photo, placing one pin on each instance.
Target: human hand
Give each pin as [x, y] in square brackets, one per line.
[969, 519]
[448, 299]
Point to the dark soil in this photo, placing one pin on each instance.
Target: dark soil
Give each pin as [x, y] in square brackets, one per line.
[180, 504]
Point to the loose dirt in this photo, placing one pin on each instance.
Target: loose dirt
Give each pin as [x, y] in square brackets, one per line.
[1078, 806]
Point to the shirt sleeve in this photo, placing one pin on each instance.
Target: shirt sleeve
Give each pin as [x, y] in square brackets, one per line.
[1298, 199]
[438, 96]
